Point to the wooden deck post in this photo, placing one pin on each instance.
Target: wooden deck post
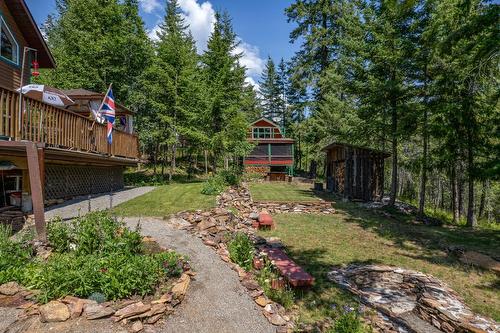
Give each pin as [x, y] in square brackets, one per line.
[35, 159]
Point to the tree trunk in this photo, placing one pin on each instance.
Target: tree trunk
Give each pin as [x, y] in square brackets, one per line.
[460, 195]
[155, 158]
[394, 180]
[172, 162]
[423, 172]
[455, 194]
[471, 219]
[206, 162]
[482, 201]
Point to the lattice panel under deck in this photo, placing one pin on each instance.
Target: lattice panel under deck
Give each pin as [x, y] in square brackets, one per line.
[71, 181]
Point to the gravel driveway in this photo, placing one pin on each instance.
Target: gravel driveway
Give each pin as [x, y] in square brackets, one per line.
[72, 208]
[216, 301]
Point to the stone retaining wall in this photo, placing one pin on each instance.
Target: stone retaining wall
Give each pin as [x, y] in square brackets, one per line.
[411, 298]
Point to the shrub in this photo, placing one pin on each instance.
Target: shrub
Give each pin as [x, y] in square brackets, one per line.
[241, 251]
[348, 322]
[214, 185]
[230, 177]
[217, 183]
[144, 178]
[285, 297]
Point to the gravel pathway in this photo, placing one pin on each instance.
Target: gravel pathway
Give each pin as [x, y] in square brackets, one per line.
[72, 208]
[216, 301]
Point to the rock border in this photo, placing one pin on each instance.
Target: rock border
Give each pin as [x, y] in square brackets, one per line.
[135, 313]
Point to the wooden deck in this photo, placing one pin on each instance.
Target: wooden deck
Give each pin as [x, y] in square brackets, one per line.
[60, 129]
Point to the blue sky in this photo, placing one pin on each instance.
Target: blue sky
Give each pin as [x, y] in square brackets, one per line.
[261, 25]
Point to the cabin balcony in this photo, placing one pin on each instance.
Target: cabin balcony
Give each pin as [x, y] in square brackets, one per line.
[61, 130]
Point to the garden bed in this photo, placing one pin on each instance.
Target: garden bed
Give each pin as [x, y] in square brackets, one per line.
[93, 267]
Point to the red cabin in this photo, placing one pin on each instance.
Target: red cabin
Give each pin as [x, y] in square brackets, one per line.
[272, 155]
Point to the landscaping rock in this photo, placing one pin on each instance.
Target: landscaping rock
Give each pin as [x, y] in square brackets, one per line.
[399, 293]
[275, 318]
[207, 223]
[10, 288]
[254, 216]
[132, 310]
[165, 298]
[250, 284]
[137, 327]
[154, 319]
[97, 311]
[76, 309]
[54, 311]
[262, 301]
[180, 288]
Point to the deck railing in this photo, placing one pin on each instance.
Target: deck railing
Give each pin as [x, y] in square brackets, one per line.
[58, 128]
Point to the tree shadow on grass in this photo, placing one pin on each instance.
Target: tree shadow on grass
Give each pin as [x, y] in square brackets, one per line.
[402, 228]
[325, 298]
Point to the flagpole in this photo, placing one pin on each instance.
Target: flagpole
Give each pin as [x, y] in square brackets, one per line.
[100, 106]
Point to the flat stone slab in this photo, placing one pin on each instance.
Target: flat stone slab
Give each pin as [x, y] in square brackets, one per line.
[294, 274]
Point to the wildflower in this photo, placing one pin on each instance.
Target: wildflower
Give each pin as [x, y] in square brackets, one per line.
[348, 309]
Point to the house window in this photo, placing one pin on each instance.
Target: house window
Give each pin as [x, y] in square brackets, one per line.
[263, 133]
[9, 49]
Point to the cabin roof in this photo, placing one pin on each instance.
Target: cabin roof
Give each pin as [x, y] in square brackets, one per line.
[341, 144]
[272, 123]
[30, 31]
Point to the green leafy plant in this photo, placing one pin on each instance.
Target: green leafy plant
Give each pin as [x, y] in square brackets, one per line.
[100, 232]
[241, 251]
[285, 296]
[217, 183]
[59, 235]
[144, 178]
[230, 177]
[214, 185]
[96, 255]
[348, 322]
[13, 256]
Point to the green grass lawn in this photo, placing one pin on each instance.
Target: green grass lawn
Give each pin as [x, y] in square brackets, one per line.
[166, 200]
[280, 191]
[356, 235]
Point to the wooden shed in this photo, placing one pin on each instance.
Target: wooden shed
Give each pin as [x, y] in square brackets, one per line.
[355, 172]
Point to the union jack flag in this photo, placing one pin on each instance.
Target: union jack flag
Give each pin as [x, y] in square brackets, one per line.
[108, 112]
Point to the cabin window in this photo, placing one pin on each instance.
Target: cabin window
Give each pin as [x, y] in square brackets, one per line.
[263, 133]
[9, 49]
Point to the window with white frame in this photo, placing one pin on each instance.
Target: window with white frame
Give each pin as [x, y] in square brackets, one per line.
[263, 133]
[9, 48]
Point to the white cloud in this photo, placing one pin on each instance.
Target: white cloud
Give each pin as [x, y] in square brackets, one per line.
[153, 33]
[150, 6]
[201, 20]
[251, 81]
[250, 58]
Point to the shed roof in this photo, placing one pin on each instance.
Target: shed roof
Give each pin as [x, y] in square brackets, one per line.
[341, 144]
[30, 31]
